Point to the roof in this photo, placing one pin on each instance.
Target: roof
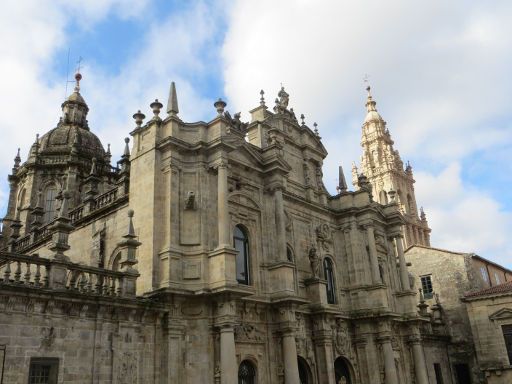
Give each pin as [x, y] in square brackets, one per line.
[496, 290]
[473, 255]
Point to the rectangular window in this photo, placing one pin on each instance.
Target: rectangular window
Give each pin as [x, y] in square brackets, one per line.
[43, 370]
[485, 276]
[426, 286]
[439, 373]
[507, 334]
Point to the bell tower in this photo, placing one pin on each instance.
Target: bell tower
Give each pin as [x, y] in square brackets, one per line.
[390, 181]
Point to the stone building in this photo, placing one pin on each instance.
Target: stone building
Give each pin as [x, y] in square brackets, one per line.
[490, 313]
[239, 266]
[445, 277]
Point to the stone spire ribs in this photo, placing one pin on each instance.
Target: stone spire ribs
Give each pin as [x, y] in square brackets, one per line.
[384, 168]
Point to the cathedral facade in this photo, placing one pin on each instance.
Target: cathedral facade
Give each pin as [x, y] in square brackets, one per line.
[212, 253]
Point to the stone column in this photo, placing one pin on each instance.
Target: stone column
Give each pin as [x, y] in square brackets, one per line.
[404, 276]
[280, 224]
[222, 202]
[325, 358]
[374, 261]
[419, 359]
[228, 365]
[391, 376]
[291, 367]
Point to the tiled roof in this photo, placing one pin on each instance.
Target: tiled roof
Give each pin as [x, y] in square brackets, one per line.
[497, 289]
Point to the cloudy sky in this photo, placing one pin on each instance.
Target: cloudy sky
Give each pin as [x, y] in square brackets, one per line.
[439, 72]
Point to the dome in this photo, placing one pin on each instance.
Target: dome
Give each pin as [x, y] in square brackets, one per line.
[60, 140]
[76, 97]
[372, 116]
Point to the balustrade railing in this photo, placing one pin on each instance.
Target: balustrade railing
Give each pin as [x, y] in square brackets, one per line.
[24, 270]
[35, 272]
[106, 198]
[44, 233]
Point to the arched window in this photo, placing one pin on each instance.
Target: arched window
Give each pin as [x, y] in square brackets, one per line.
[289, 254]
[49, 203]
[329, 276]
[241, 244]
[342, 371]
[246, 373]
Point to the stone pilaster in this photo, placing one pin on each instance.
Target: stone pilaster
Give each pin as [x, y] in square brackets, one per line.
[322, 338]
[225, 322]
[222, 203]
[374, 261]
[280, 224]
[228, 365]
[404, 275]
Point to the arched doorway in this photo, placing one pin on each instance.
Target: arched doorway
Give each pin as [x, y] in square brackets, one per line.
[342, 371]
[246, 373]
[304, 371]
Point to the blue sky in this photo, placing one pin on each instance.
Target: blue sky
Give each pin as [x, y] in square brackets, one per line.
[439, 73]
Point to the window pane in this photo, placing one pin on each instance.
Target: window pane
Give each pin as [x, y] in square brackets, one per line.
[507, 334]
[49, 204]
[426, 286]
[241, 245]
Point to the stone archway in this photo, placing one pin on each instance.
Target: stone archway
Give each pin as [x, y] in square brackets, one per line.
[343, 371]
[305, 374]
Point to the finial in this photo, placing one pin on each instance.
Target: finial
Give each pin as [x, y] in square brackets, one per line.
[155, 107]
[316, 128]
[302, 119]
[423, 217]
[219, 106]
[262, 99]
[172, 103]
[139, 118]
[342, 182]
[64, 206]
[131, 230]
[370, 103]
[126, 147]
[108, 149]
[78, 77]
[17, 161]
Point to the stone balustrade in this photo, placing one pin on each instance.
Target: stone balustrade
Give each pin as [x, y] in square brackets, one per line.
[44, 233]
[32, 271]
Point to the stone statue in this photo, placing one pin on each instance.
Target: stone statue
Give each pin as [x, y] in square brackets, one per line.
[314, 261]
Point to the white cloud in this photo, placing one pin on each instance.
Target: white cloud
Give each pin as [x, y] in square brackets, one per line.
[439, 72]
[32, 94]
[464, 218]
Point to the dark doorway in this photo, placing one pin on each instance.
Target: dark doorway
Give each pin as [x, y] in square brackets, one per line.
[342, 371]
[462, 374]
[246, 373]
[304, 371]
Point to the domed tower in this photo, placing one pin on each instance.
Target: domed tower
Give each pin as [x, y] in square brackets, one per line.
[67, 157]
[385, 171]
